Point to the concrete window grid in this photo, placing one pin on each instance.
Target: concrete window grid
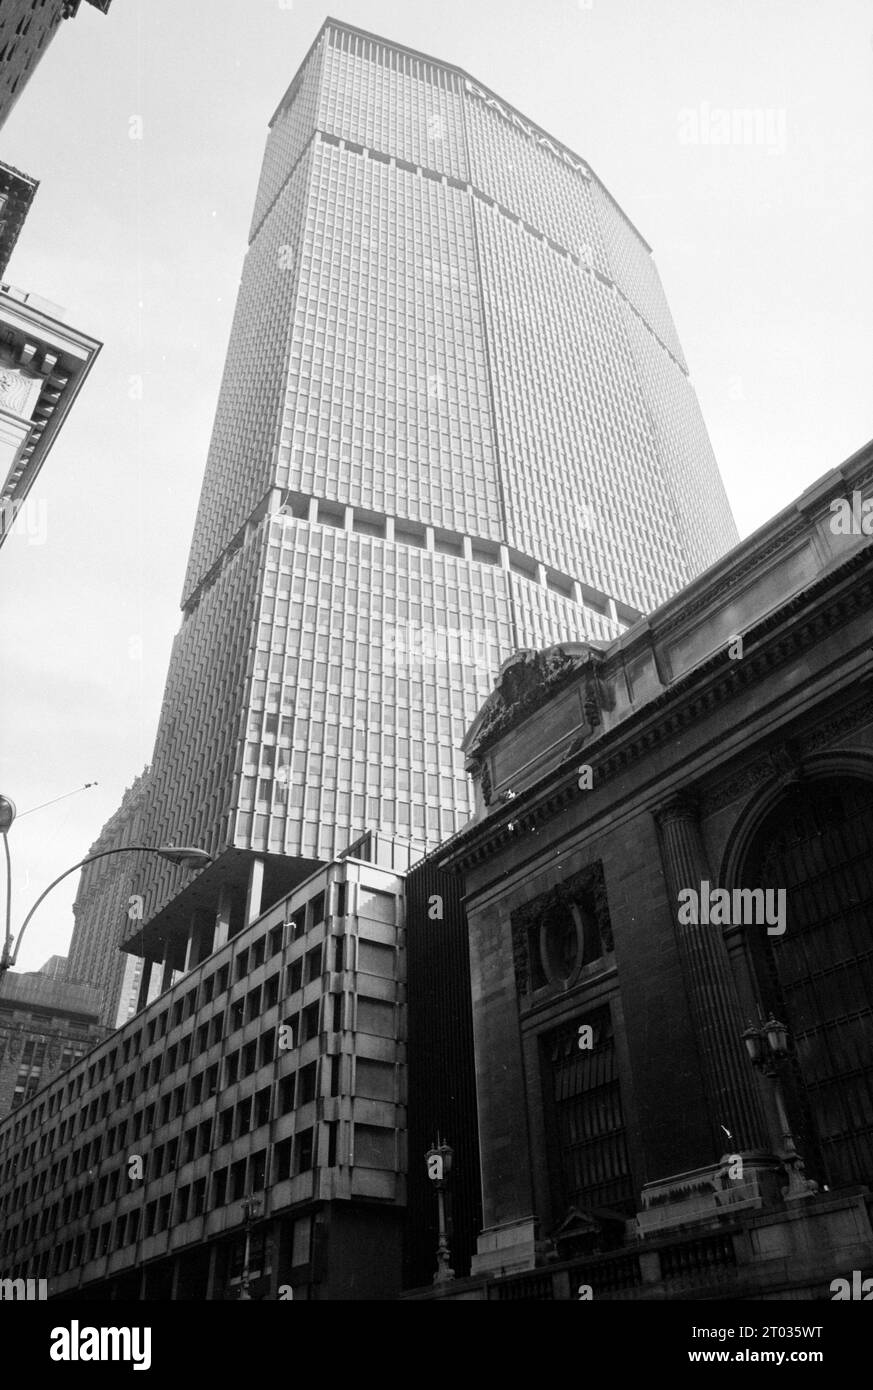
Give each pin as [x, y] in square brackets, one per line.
[704, 515]
[631, 266]
[240, 466]
[176, 1018]
[290, 133]
[356, 550]
[576, 352]
[394, 102]
[509, 166]
[414, 307]
[197, 741]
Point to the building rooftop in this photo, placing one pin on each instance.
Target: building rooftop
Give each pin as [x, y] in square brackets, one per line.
[46, 993]
[17, 191]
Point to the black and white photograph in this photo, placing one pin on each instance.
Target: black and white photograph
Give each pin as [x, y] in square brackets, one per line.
[436, 722]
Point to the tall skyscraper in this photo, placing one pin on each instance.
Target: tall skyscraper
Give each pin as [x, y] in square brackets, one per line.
[455, 420]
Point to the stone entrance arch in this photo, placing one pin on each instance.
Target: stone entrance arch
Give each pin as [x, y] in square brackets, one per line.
[813, 836]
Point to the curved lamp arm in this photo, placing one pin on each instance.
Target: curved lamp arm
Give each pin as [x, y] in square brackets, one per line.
[185, 855]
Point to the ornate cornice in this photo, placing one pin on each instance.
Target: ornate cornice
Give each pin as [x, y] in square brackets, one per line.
[786, 760]
[733, 577]
[680, 706]
[525, 681]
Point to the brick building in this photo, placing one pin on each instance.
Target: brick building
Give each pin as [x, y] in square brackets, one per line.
[27, 27]
[46, 1025]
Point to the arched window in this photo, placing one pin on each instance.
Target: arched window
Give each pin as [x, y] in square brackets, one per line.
[817, 844]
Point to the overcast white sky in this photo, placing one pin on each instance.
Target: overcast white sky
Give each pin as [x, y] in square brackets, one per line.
[764, 251]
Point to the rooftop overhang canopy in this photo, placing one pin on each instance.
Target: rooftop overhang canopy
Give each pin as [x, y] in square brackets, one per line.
[166, 933]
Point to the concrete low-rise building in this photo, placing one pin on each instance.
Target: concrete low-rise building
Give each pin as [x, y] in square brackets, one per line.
[261, 1096]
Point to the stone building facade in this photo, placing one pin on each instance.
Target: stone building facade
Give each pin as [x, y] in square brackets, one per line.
[674, 843]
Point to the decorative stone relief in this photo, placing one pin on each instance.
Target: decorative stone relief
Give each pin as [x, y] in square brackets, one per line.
[19, 392]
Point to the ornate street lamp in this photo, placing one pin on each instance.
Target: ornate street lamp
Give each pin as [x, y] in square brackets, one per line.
[439, 1167]
[767, 1046]
[251, 1210]
[184, 856]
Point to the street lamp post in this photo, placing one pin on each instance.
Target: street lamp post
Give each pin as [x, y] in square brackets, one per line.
[186, 856]
[767, 1046]
[251, 1208]
[439, 1167]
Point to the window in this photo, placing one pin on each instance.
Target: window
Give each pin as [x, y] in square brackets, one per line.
[258, 1171]
[306, 1091]
[198, 1198]
[262, 1107]
[243, 1117]
[310, 1022]
[237, 1180]
[304, 1146]
[587, 1155]
[313, 964]
[286, 1094]
[267, 1047]
[282, 1159]
[204, 1136]
[219, 1187]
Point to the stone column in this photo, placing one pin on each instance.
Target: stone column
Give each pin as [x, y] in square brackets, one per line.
[222, 917]
[732, 1092]
[255, 891]
[169, 971]
[144, 982]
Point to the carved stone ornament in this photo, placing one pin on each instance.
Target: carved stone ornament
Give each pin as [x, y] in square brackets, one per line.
[528, 679]
[565, 896]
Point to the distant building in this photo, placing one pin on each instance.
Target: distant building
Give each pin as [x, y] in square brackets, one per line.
[673, 842]
[102, 913]
[55, 968]
[17, 192]
[27, 27]
[45, 1026]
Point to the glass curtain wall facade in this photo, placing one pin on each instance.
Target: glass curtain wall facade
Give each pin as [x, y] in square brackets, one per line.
[455, 420]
